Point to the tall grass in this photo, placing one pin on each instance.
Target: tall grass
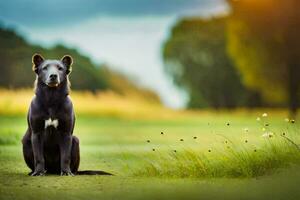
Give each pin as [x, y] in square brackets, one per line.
[108, 104]
[102, 103]
[229, 159]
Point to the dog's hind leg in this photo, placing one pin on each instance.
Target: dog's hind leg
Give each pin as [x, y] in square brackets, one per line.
[27, 150]
[75, 155]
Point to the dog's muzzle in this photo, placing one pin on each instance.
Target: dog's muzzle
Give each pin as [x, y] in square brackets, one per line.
[53, 80]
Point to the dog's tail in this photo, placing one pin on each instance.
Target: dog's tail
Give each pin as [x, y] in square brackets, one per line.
[93, 172]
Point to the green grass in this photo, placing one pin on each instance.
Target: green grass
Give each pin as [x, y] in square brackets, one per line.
[218, 164]
[230, 161]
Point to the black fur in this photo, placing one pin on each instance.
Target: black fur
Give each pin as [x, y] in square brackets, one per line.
[53, 149]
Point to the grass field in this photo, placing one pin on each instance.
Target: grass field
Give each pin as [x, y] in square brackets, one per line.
[157, 153]
[121, 146]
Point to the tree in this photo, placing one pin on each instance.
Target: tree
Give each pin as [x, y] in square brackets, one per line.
[15, 66]
[195, 57]
[16, 53]
[263, 40]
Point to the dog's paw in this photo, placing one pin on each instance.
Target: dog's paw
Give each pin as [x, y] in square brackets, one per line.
[66, 173]
[38, 173]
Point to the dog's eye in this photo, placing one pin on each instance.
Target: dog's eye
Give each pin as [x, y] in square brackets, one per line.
[44, 68]
[60, 68]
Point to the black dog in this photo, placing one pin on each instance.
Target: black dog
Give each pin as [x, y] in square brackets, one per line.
[48, 144]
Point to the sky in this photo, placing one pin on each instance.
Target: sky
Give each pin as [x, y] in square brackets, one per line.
[128, 35]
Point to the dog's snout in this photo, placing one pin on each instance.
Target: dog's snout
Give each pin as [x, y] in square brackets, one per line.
[53, 77]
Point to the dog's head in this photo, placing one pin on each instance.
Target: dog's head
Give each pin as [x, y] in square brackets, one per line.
[52, 72]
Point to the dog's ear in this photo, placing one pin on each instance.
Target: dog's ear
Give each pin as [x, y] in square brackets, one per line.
[67, 61]
[37, 59]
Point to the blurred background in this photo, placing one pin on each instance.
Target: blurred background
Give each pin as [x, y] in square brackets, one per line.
[187, 91]
[140, 54]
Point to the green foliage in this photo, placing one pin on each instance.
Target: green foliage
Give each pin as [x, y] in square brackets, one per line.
[265, 45]
[16, 68]
[229, 161]
[16, 53]
[196, 58]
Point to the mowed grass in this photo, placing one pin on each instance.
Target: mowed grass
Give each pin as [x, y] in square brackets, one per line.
[212, 159]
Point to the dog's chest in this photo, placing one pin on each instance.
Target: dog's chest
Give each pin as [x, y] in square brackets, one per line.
[51, 122]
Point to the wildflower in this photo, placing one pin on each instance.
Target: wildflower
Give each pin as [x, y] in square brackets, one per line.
[209, 150]
[268, 134]
[226, 141]
[161, 133]
[287, 119]
[283, 134]
[264, 115]
[153, 149]
[195, 137]
[266, 124]
[181, 140]
[246, 141]
[255, 150]
[228, 124]
[292, 121]
[148, 141]
[175, 151]
[258, 119]
[246, 129]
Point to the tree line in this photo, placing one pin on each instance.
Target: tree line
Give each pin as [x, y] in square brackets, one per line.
[16, 68]
[249, 58]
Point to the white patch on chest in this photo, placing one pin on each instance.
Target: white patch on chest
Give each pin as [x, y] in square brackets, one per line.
[50, 122]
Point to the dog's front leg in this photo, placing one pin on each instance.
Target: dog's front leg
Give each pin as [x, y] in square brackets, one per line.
[38, 153]
[65, 154]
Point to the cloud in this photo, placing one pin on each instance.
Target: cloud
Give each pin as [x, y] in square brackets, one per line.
[39, 13]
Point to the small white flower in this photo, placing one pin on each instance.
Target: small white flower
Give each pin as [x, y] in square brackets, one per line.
[258, 119]
[264, 115]
[264, 135]
[268, 135]
[287, 119]
[263, 129]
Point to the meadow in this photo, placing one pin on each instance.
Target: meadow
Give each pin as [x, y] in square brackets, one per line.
[157, 153]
